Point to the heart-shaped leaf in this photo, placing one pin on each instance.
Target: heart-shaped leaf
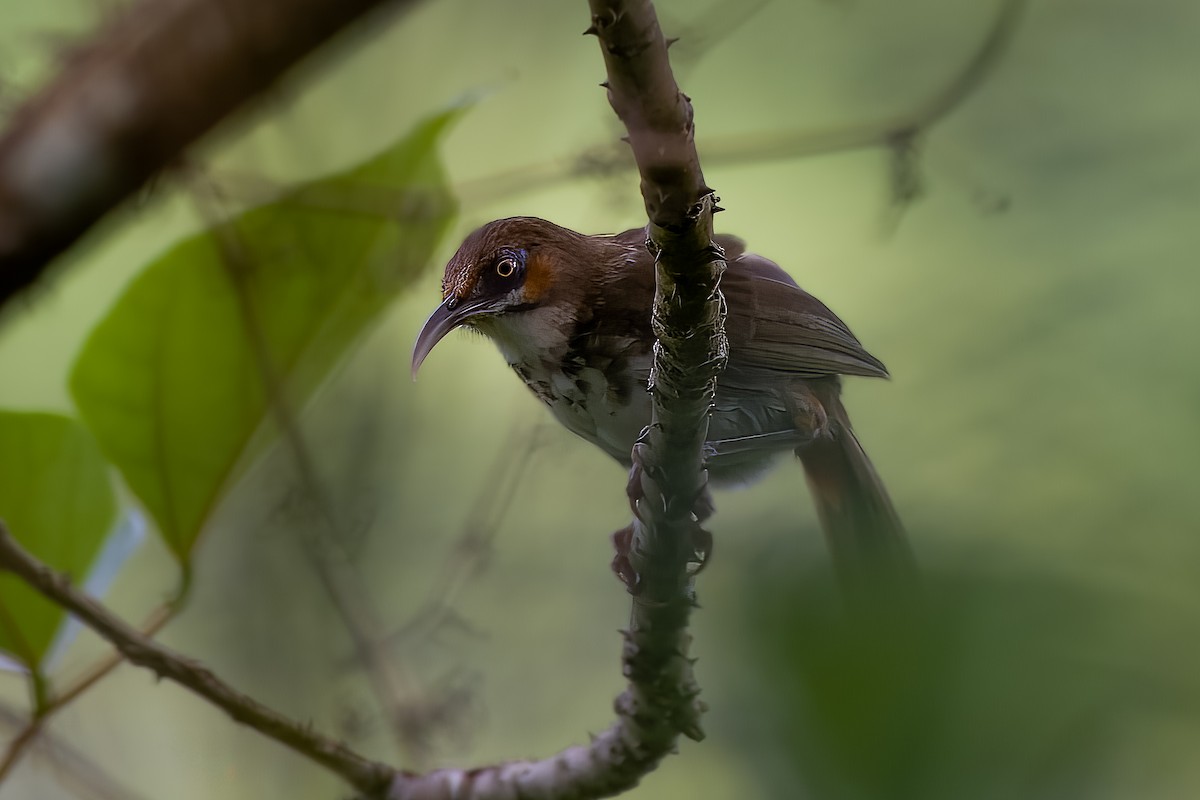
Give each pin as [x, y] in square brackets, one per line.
[176, 380]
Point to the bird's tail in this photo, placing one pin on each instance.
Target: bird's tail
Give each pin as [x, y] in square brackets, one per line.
[865, 536]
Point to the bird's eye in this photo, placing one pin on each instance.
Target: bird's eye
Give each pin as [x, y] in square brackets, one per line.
[506, 267]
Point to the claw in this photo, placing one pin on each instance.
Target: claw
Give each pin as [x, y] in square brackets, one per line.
[633, 489]
[621, 565]
[702, 546]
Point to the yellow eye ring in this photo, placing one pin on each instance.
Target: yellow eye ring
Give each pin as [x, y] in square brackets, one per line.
[506, 267]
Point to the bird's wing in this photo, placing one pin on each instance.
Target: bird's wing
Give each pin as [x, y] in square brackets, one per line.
[775, 328]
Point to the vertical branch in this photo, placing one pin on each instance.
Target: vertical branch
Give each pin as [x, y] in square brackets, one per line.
[669, 480]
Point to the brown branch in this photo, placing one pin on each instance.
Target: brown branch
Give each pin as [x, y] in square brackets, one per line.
[128, 103]
[367, 776]
[612, 762]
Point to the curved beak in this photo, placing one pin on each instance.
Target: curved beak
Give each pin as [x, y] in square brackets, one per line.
[445, 318]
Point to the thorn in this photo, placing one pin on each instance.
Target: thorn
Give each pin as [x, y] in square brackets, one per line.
[625, 139]
[671, 40]
[604, 85]
[592, 30]
[718, 209]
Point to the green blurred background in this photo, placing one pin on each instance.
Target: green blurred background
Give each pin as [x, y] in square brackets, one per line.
[1035, 306]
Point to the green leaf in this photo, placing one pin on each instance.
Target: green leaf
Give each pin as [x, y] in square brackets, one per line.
[56, 499]
[171, 381]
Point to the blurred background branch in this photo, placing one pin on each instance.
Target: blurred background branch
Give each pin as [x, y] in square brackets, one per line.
[900, 134]
[86, 777]
[130, 101]
[144, 652]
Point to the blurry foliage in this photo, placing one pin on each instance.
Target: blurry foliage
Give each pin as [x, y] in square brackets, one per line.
[990, 685]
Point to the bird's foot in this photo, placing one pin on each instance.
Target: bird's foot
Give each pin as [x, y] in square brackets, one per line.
[621, 565]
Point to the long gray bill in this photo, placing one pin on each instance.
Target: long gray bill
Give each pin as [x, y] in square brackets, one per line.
[445, 318]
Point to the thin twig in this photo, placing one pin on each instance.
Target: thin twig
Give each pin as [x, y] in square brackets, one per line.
[35, 724]
[474, 544]
[755, 148]
[395, 688]
[365, 775]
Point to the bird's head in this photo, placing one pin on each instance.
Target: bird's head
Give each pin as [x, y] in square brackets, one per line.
[520, 281]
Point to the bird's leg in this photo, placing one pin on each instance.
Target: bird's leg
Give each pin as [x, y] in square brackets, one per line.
[623, 539]
[702, 509]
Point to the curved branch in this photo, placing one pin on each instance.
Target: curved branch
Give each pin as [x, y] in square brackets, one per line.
[129, 102]
[613, 761]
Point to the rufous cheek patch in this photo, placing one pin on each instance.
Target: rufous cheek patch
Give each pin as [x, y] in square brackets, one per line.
[539, 276]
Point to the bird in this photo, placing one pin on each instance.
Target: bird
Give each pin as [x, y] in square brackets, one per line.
[571, 315]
